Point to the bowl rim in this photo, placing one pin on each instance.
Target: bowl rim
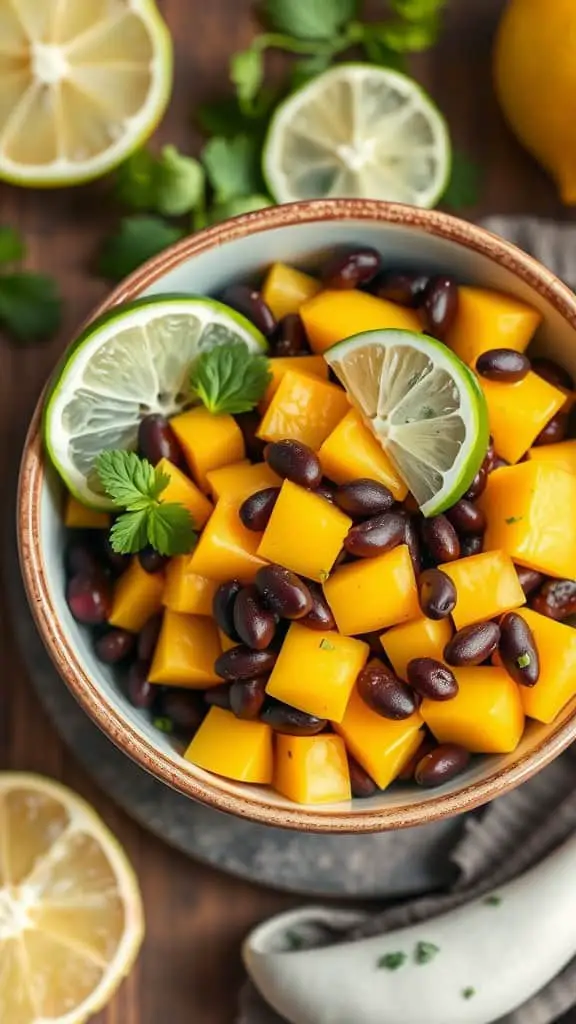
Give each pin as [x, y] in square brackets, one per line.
[212, 789]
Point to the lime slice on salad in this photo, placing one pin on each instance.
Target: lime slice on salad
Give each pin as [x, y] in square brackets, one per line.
[358, 131]
[423, 404]
[133, 361]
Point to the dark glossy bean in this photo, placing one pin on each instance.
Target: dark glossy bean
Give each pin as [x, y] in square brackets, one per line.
[412, 541]
[432, 679]
[117, 562]
[289, 338]
[80, 557]
[139, 691]
[436, 593]
[554, 431]
[551, 371]
[479, 482]
[402, 287]
[294, 461]
[283, 592]
[373, 641]
[256, 510]
[290, 721]
[351, 268]
[518, 650]
[249, 302]
[282, 627]
[184, 709]
[439, 306]
[384, 693]
[498, 463]
[466, 517]
[441, 539]
[247, 697]
[151, 560]
[471, 544]
[361, 784]
[219, 696]
[320, 615]
[115, 645]
[89, 598]
[376, 535]
[472, 644]
[555, 599]
[363, 498]
[249, 423]
[407, 773]
[254, 623]
[148, 638]
[503, 364]
[529, 579]
[243, 663]
[441, 765]
[223, 607]
[326, 491]
[157, 440]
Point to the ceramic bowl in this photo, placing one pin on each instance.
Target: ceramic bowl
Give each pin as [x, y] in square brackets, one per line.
[242, 249]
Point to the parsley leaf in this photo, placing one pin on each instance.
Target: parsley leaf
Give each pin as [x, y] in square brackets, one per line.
[392, 961]
[425, 952]
[310, 19]
[293, 940]
[232, 166]
[247, 73]
[378, 53]
[232, 208]
[229, 378]
[464, 185]
[138, 239]
[11, 245]
[179, 183]
[129, 533]
[129, 480]
[409, 36]
[417, 10]
[325, 645]
[30, 307]
[493, 900]
[135, 181]
[170, 529]
[307, 68]
[523, 660]
[468, 992]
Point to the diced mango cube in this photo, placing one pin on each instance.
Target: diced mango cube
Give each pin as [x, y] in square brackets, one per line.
[421, 638]
[79, 517]
[316, 671]
[186, 591]
[285, 289]
[518, 412]
[225, 548]
[486, 585]
[311, 769]
[381, 745]
[186, 650]
[137, 597]
[208, 441]
[316, 366]
[530, 514]
[304, 408]
[487, 319]
[305, 532]
[561, 455]
[373, 593]
[351, 451]
[233, 747]
[556, 646]
[240, 480]
[485, 716]
[184, 491]
[332, 316]
[225, 642]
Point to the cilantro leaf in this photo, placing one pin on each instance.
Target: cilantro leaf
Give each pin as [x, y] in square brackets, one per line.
[129, 533]
[425, 952]
[137, 239]
[468, 993]
[310, 19]
[135, 183]
[392, 961]
[378, 53]
[229, 378]
[464, 185]
[417, 10]
[408, 36]
[226, 118]
[11, 245]
[247, 73]
[30, 307]
[128, 479]
[170, 529]
[180, 182]
[307, 68]
[232, 166]
[234, 208]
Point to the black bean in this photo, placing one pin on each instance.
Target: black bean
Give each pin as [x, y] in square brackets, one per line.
[249, 302]
[351, 268]
[374, 643]
[80, 557]
[256, 510]
[440, 306]
[442, 764]
[219, 696]
[115, 645]
[289, 338]
[151, 560]
[326, 491]
[184, 709]
[148, 638]
[361, 784]
[294, 461]
[89, 598]
[479, 482]
[139, 691]
[363, 498]
[320, 615]
[283, 592]
[243, 663]
[376, 535]
[412, 541]
[518, 650]
[503, 364]
[556, 599]
[286, 719]
[117, 562]
[157, 440]
[407, 773]
[472, 645]
[441, 539]
[554, 431]
[498, 463]
[249, 423]
[529, 579]
[247, 697]
[223, 607]
[466, 517]
[402, 287]
[384, 693]
[471, 544]
[432, 679]
[437, 594]
[254, 623]
[551, 371]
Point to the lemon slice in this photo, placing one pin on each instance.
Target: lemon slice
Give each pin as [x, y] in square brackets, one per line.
[424, 405]
[133, 361]
[358, 131]
[82, 84]
[71, 920]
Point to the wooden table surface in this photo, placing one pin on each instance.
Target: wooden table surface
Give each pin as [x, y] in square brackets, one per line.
[189, 970]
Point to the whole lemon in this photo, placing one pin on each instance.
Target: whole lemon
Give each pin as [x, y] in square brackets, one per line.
[535, 79]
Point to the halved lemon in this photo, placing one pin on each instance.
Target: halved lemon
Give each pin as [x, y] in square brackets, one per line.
[424, 405]
[82, 84]
[71, 920]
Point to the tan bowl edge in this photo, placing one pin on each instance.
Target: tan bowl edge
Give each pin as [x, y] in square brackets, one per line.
[106, 716]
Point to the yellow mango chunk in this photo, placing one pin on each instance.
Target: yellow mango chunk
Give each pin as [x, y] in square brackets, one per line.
[184, 491]
[518, 412]
[487, 319]
[373, 593]
[186, 591]
[421, 638]
[208, 441]
[332, 316]
[79, 517]
[225, 548]
[316, 671]
[316, 366]
[351, 451]
[240, 480]
[530, 514]
[382, 746]
[137, 597]
[561, 455]
[304, 408]
[186, 650]
[285, 289]
[486, 715]
[312, 769]
[233, 747]
[556, 646]
[225, 642]
[486, 585]
[305, 532]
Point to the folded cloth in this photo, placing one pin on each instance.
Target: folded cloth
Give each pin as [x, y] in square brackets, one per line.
[515, 831]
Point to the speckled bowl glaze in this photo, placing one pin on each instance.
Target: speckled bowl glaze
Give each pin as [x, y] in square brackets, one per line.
[203, 264]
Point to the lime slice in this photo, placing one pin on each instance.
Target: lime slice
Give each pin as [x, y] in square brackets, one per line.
[133, 361]
[424, 406]
[358, 131]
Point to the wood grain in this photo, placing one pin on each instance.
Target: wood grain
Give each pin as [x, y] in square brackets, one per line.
[190, 968]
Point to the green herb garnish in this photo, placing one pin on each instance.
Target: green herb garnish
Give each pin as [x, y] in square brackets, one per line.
[392, 961]
[493, 900]
[30, 307]
[523, 660]
[137, 239]
[323, 575]
[513, 519]
[163, 724]
[468, 992]
[463, 187]
[170, 184]
[425, 952]
[293, 940]
[325, 645]
[230, 379]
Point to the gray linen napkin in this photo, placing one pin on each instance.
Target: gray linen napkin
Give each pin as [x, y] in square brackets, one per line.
[517, 830]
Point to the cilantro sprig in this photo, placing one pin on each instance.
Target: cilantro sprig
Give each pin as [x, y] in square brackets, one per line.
[135, 486]
[30, 306]
[230, 379]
